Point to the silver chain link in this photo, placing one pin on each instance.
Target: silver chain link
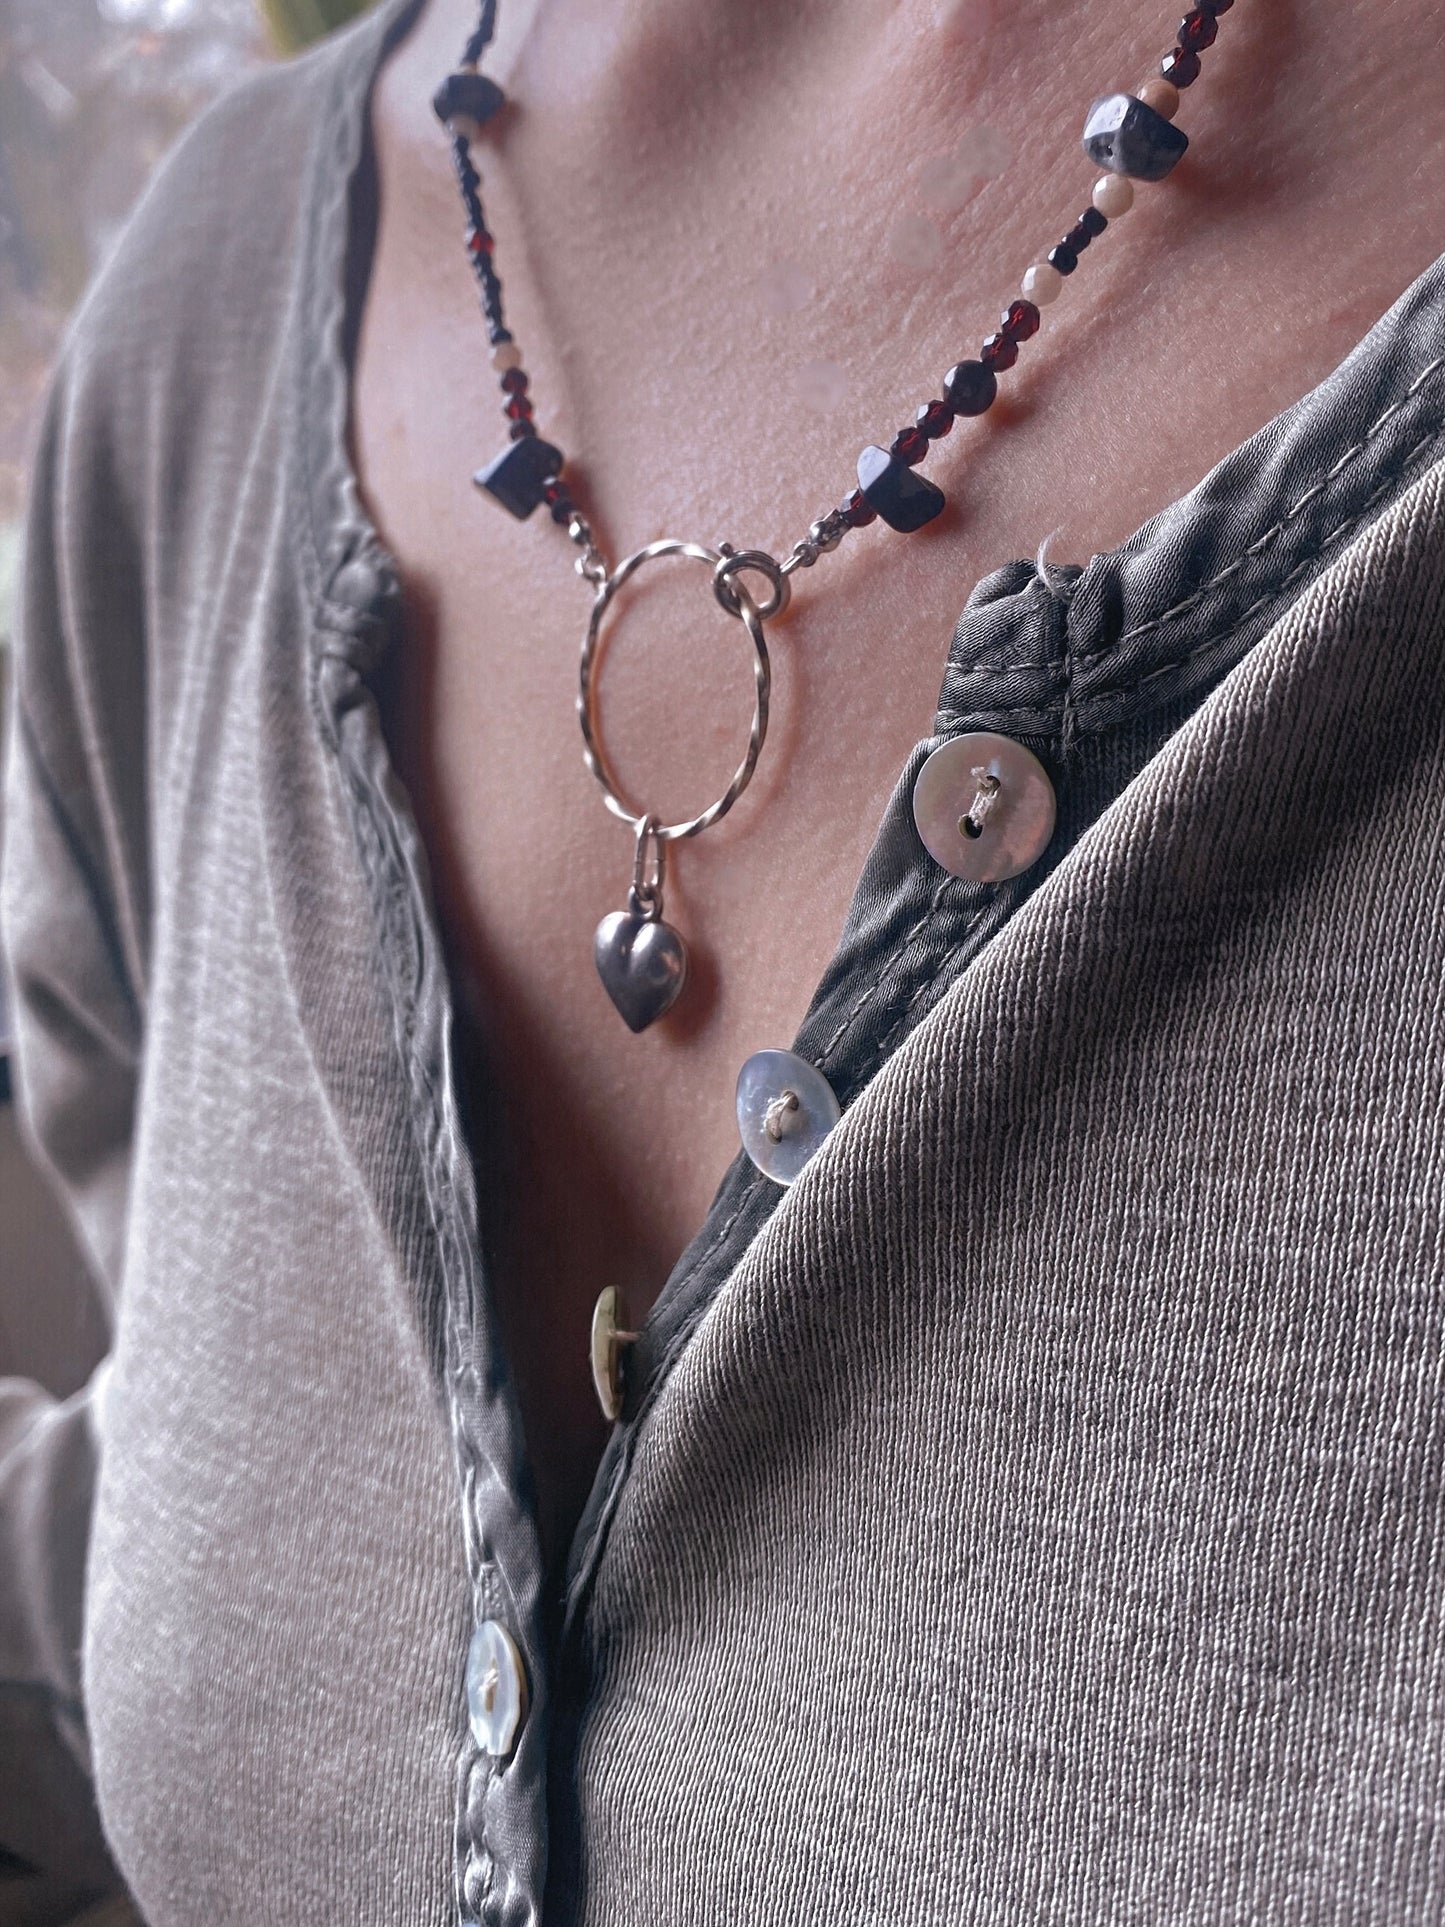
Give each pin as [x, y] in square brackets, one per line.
[822, 538]
[591, 564]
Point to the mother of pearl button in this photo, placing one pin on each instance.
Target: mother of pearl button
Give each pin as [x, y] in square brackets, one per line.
[786, 1108]
[984, 807]
[496, 1689]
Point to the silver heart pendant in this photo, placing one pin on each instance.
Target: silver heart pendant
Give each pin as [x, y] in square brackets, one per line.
[642, 962]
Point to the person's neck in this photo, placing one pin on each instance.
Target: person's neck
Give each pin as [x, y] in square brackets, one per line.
[660, 153]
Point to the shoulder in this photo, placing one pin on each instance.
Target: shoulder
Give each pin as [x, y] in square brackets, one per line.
[170, 387]
[184, 322]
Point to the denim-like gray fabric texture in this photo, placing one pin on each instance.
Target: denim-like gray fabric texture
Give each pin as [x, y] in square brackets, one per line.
[1035, 1515]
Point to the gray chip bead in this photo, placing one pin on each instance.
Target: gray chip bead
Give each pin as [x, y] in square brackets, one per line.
[1128, 137]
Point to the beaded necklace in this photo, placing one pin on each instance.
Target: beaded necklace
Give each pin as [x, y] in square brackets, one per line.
[641, 959]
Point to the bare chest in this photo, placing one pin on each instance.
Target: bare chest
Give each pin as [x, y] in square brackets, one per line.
[598, 1149]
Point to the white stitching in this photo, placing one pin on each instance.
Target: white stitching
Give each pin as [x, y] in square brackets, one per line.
[1310, 494]
[1275, 590]
[874, 988]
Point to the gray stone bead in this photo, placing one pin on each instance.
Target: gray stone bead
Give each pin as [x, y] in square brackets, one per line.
[1128, 137]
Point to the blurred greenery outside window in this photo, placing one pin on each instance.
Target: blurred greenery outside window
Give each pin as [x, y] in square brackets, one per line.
[92, 93]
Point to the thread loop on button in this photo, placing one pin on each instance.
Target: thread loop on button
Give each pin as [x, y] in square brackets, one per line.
[609, 1346]
[496, 1689]
[786, 1108]
[984, 807]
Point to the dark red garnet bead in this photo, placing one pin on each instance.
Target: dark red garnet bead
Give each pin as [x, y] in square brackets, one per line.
[969, 387]
[856, 512]
[909, 446]
[1197, 30]
[519, 409]
[561, 508]
[514, 381]
[553, 489]
[1180, 67]
[479, 241]
[522, 431]
[1020, 321]
[998, 352]
[1216, 6]
[935, 418]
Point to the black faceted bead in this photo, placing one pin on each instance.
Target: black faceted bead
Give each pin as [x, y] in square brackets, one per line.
[904, 498]
[472, 96]
[969, 388]
[1128, 137]
[519, 476]
[1063, 258]
[1092, 222]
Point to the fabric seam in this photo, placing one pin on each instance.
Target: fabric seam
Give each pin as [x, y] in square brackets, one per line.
[1262, 541]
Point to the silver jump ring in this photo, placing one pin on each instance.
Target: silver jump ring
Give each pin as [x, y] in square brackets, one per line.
[594, 647]
[759, 561]
[647, 881]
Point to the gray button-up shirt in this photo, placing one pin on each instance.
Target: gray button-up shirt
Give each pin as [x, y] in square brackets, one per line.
[1032, 1515]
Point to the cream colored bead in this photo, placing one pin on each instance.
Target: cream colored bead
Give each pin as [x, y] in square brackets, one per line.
[1113, 195]
[1160, 94]
[506, 356]
[1041, 283]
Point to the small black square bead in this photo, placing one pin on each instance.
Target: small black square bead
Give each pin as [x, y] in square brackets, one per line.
[1093, 222]
[518, 477]
[900, 495]
[1078, 238]
[1063, 258]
